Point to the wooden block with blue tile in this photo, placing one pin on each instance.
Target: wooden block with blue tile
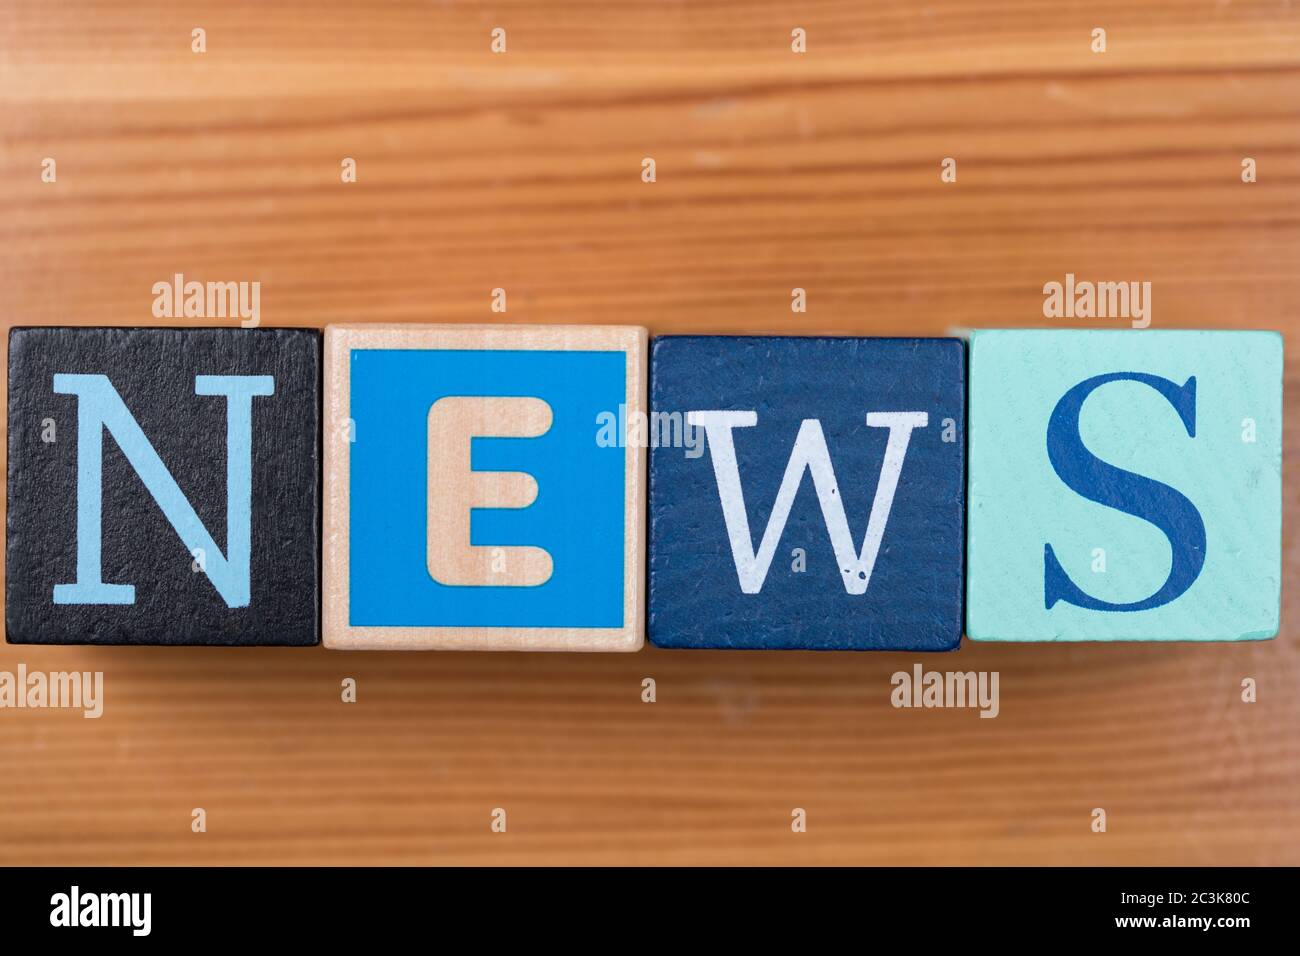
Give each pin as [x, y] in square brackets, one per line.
[1125, 485]
[481, 493]
[807, 493]
[163, 486]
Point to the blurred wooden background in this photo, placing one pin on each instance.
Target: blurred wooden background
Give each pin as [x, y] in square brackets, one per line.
[774, 170]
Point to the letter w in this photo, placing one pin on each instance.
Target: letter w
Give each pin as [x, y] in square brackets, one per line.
[809, 452]
[99, 407]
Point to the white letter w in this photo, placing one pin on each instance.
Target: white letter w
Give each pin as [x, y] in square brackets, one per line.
[809, 452]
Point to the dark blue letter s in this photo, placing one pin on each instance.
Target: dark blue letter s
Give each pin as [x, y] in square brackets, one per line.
[1125, 491]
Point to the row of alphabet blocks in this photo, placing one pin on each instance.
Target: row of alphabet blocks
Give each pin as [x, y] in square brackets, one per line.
[485, 487]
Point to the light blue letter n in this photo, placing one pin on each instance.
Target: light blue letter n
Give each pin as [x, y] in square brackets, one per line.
[99, 407]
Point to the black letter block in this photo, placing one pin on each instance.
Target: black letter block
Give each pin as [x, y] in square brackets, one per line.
[163, 486]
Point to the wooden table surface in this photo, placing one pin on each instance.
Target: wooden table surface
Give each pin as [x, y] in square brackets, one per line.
[774, 170]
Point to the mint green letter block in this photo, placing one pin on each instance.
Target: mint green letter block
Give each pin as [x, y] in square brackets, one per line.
[1124, 486]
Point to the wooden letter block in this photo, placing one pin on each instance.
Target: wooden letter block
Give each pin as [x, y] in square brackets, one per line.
[481, 493]
[812, 497]
[163, 486]
[1125, 486]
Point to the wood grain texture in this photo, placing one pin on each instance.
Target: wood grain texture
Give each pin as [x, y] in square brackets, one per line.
[774, 171]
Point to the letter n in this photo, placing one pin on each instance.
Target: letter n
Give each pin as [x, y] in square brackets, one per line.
[100, 407]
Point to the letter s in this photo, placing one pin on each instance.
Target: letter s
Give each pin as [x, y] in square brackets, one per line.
[1142, 497]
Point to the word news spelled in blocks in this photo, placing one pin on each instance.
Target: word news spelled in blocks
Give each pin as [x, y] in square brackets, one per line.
[163, 486]
[477, 495]
[1125, 487]
[818, 501]
[485, 488]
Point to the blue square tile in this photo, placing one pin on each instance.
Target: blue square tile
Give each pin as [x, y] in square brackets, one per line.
[770, 524]
[472, 499]
[578, 519]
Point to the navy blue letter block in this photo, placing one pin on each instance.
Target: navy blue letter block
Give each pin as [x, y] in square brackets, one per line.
[807, 493]
[163, 486]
